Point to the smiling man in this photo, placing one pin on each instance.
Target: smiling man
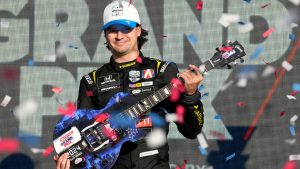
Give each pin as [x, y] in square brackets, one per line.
[129, 71]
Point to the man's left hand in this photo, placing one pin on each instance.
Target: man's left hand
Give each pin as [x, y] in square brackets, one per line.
[192, 78]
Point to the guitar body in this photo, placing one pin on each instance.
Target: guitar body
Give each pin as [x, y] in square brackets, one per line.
[93, 138]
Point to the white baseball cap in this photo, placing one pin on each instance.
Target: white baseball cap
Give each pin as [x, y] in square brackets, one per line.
[120, 12]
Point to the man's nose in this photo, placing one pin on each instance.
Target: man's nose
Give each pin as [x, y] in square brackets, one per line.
[120, 35]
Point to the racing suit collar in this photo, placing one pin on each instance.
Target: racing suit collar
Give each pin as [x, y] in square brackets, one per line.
[127, 65]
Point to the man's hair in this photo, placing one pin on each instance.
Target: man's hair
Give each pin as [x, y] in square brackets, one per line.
[141, 40]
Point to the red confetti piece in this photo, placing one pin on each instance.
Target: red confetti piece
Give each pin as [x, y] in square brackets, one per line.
[263, 6]
[290, 165]
[199, 5]
[9, 145]
[101, 117]
[69, 111]
[11, 73]
[268, 32]
[89, 93]
[177, 88]
[130, 2]
[294, 93]
[240, 104]
[219, 135]
[48, 151]
[56, 89]
[226, 49]
[180, 110]
[282, 113]
[139, 59]
[275, 72]
[183, 165]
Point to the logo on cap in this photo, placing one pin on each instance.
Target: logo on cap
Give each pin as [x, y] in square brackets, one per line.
[117, 10]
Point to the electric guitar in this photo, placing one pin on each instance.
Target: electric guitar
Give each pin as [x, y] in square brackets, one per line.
[93, 138]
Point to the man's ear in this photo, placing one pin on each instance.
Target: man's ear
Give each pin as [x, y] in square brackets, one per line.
[139, 30]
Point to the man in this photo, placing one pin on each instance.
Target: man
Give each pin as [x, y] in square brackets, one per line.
[129, 71]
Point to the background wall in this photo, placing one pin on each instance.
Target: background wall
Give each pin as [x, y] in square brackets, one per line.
[53, 43]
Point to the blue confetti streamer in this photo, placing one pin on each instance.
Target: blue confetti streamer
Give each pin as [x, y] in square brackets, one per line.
[247, 1]
[205, 94]
[241, 23]
[217, 117]
[192, 39]
[203, 151]
[257, 52]
[296, 87]
[292, 37]
[292, 130]
[200, 88]
[230, 157]
[30, 62]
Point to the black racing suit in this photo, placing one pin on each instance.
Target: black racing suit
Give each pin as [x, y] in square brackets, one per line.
[141, 78]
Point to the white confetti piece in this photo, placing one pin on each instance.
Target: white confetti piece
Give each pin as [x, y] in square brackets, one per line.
[49, 58]
[37, 150]
[226, 85]
[293, 25]
[295, 2]
[290, 97]
[290, 141]
[171, 117]
[269, 70]
[156, 138]
[294, 157]
[226, 19]
[4, 24]
[286, 65]
[26, 109]
[242, 82]
[293, 119]
[202, 141]
[5, 101]
[246, 27]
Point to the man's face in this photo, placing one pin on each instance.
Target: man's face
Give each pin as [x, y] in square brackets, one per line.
[122, 39]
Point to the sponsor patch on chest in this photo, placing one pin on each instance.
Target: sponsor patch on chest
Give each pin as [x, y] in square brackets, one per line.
[108, 82]
[141, 90]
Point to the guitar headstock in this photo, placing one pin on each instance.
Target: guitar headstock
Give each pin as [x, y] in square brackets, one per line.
[227, 54]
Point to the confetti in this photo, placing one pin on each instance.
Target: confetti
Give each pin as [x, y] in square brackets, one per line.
[263, 6]
[293, 25]
[292, 37]
[290, 141]
[203, 151]
[26, 109]
[290, 97]
[247, 1]
[139, 59]
[217, 134]
[56, 89]
[293, 93]
[71, 46]
[244, 28]
[296, 87]
[259, 49]
[230, 157]
[290, 165]
[49, 58]
[205, 94]
[281, 113]
[69, 111]
[30, 139]
[183, 165]
[202, 141]
[48, 151]
[292, 130]
[241, 23]
[293, 120]
[5, 101]
[130, 2]
[217, 117]
[180, 110]
[200, 87]
[192, 39]
[37, 150]
[294, 157]
[171, 117]
[199, 5]
[30, 62]
[9, 145]
[240, 104]
[11, 73]
[295, 2]
[268, 32]
[89, 93]
[156, 138]
[226, 85]
[164, 36]
[286, 65]
[226, 19]
[268, 71]
[242, 82]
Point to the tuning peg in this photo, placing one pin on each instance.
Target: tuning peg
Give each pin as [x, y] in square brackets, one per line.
[242, 60]
[229, 66]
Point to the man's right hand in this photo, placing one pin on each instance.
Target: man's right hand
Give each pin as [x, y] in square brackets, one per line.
[62, 162]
